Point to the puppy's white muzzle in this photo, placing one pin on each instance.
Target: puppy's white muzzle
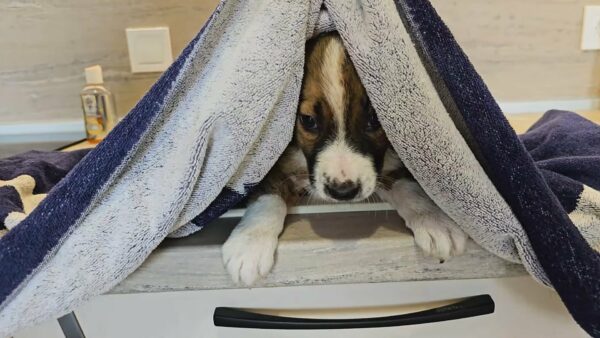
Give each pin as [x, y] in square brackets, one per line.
[343, 174]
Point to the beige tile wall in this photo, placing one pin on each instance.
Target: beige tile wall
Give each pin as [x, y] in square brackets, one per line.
[45, 44]
[525, 49]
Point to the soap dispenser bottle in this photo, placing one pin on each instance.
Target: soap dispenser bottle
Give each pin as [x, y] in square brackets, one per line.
[98, 104]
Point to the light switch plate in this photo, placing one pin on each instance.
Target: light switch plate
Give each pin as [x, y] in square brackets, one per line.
[591, 28]
[149, 49]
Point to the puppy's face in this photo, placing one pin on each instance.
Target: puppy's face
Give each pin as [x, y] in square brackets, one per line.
[336, 127]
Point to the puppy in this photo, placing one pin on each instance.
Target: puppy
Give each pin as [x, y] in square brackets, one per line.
[339, 153]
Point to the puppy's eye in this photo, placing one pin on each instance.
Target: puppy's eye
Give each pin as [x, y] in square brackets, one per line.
[373, 122]
[308, 122]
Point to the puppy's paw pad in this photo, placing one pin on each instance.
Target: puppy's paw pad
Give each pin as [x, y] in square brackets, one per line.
[248, 257]
[438, 237]
[459, 241]
[434, 241]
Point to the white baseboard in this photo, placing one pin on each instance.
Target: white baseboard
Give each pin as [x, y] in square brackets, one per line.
[40, 132]
[582, 105]
[71, 130]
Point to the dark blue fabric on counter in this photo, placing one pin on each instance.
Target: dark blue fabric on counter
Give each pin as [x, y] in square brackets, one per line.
[46, 167]
[568, 145]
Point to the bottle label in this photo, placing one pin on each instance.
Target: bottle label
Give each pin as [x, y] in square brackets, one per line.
[90, 105]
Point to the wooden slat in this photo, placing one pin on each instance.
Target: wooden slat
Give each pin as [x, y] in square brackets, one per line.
[342, 248]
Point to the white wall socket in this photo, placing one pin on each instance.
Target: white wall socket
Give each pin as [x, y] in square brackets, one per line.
[590, 39]
[149, 49]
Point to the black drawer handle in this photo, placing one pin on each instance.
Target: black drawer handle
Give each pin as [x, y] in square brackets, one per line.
[469, 307]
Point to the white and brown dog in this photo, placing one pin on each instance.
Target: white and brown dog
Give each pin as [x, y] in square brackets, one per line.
[339, 153]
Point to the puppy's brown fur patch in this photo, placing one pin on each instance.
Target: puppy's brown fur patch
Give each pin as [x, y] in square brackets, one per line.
[334, 96]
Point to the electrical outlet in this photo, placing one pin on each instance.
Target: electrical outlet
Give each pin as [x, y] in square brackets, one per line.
[149, 49]
[591, 28]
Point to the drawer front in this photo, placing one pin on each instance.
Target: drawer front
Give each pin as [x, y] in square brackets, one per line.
[522, 309]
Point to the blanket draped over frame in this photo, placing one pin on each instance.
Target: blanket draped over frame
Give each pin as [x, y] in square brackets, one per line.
[218, 119]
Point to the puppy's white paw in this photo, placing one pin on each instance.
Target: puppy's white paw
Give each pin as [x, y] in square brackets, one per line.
[249, 255]
[438, 235]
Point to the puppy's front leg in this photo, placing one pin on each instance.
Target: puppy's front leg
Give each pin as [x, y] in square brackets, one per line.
[434, 231]
[249, 252]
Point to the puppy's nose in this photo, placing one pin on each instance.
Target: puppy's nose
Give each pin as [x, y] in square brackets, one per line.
[342, 191]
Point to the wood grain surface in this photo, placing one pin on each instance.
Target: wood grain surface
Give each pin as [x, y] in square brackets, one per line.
[361, 247]
[525, 50]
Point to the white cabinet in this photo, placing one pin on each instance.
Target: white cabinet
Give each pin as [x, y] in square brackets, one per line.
[523, 309]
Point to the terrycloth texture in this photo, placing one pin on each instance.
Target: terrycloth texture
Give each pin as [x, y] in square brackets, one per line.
[218, 119]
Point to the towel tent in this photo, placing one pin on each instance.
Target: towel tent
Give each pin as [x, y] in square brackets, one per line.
[219, 118]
